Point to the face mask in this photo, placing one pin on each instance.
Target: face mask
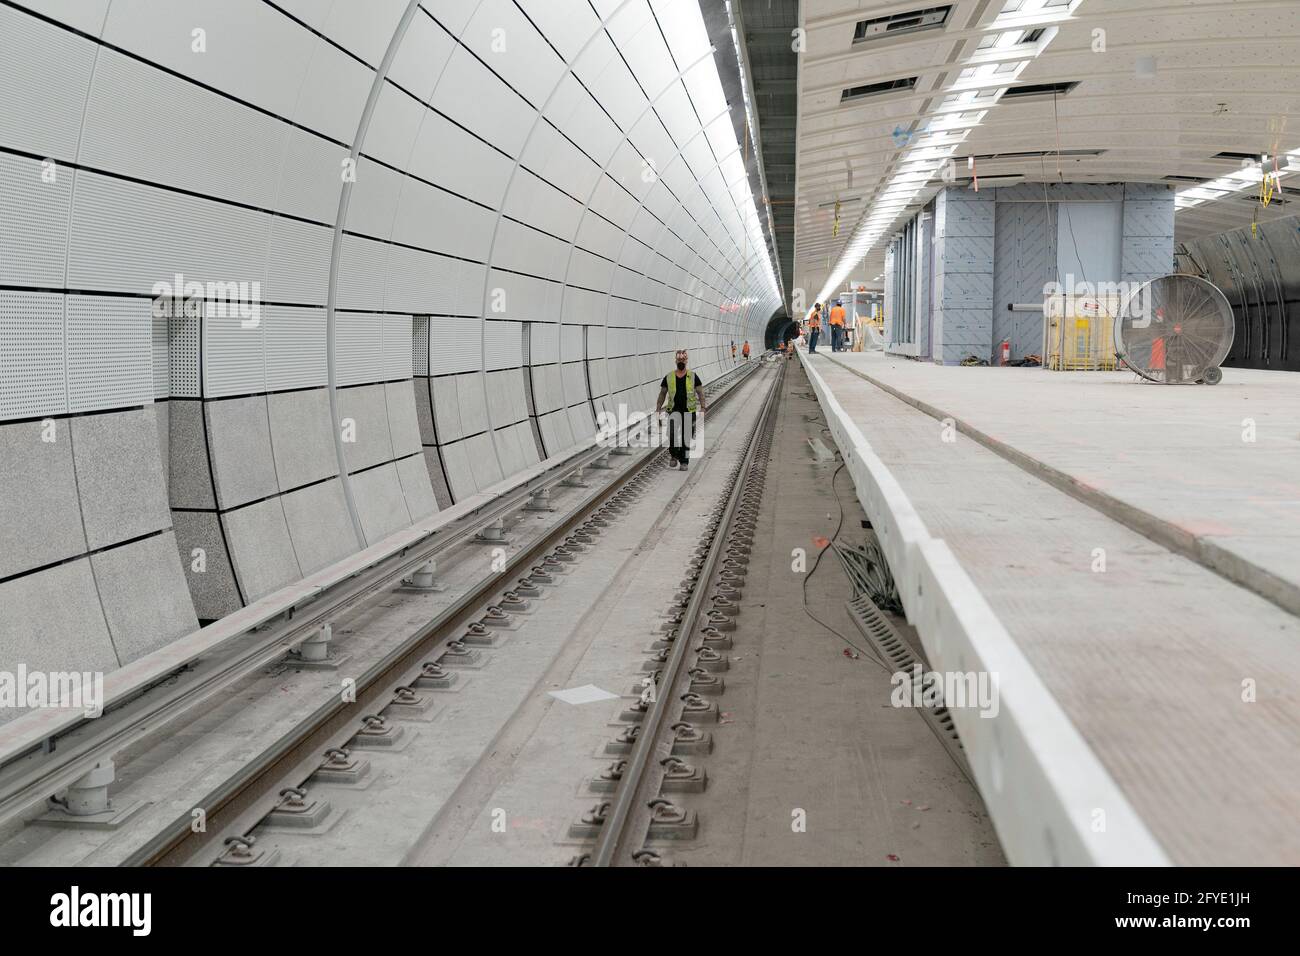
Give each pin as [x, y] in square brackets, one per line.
[681, 366]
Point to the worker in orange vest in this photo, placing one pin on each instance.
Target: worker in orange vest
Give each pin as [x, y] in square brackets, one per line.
[745, 351]
[837, 327]
[814, 328]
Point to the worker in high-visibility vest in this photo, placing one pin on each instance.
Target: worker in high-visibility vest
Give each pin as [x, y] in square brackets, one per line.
[837, 327]
[733, 350]
[745, 350]
[681, 395]
[814, 328]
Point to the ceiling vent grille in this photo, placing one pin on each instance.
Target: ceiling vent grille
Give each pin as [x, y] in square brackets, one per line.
[878, 89]
[931, 18]
[1237, 157]
[1033, 154]
[1040, 89]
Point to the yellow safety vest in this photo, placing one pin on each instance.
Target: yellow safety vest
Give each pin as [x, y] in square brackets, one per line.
[672, 391]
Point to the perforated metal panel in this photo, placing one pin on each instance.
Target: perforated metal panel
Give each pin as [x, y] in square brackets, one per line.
[453, 345]
[31, 341]
[183, 355]
[420, 345]
[234, 357]
[501, 347]
[33, 222]
[110, 352]
[359, 347]
[398, 359]
[161, 380]
[295, 348]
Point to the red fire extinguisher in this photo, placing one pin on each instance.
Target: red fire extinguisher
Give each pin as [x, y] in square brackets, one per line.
[1006, 351]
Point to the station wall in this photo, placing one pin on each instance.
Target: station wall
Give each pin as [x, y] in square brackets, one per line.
[507, 215]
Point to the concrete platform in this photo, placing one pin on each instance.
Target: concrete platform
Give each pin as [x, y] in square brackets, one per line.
[1210, 472]
[1179, 663]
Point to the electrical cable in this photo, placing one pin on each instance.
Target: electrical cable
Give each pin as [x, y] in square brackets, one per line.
[870, 655]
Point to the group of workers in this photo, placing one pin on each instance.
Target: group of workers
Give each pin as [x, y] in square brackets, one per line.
[744, 351]
[836, 321]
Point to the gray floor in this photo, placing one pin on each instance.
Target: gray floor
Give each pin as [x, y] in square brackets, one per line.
[804, 728]
[1149, 657]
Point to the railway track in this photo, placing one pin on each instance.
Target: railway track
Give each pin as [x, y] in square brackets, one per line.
[641, 817]
[330, 741]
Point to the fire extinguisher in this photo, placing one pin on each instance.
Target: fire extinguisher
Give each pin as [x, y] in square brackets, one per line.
[1006, 351]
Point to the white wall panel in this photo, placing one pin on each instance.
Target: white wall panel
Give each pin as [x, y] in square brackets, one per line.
[455, 159]
[398, 361]
[358, 347]
[580, 117]
[295, 347]
[459, 473]
[454, 344]
[504, 39]
[393, 128]
[365, 29]
[234, 357]
[446, 409]
[212, 145]
[32, 341]
[483, 460]
[33, 223]
[543, 344]
[297, 263]
[472, 399]
[41, 109]
[420, 57]
[475, 97]
[437, 220]
[540, 204]
[109, 353]
[502, 345]
[126, 237]
[253, 51]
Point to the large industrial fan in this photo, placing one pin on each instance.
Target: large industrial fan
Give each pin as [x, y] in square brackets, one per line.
[1176, 330]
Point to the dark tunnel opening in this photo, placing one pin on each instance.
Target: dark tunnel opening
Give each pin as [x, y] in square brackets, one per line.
[780, 328]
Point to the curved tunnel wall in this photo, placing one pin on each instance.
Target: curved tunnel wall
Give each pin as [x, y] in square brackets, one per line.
[511, 213]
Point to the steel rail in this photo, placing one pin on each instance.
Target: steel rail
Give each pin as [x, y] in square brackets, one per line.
[57, 761]
[239, 801]
[614, 845]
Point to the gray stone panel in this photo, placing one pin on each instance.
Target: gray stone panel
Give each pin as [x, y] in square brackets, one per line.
[239, 439]
[416, 487]
[380, 502]
[368, 409]
[260, 548]
[319, 525]
[212, 589]
[433, 465]
[40, 516]
[142, 589]
[51, 620]
[119, 476]
[189, 479]
[403, 423]
[161, 420]
[424, 412]
[301, 437]
[446, 408]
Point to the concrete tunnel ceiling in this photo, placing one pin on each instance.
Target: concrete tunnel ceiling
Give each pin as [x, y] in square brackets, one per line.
[1147, 91]
[467, 228]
